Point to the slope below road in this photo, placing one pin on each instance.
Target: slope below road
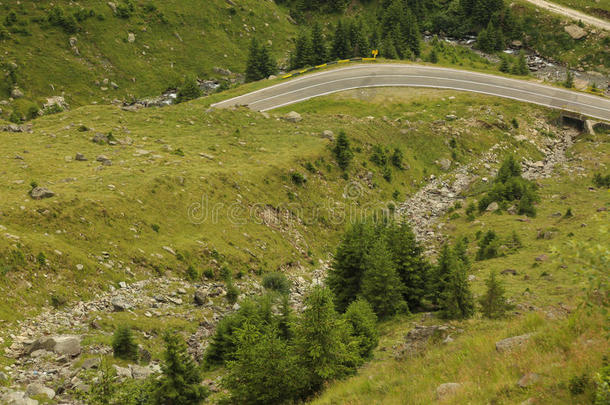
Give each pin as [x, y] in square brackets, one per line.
[391, 75]
[570, 13]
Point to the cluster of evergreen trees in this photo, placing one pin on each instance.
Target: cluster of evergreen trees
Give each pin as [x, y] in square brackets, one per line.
[276, 357]
[260, 64]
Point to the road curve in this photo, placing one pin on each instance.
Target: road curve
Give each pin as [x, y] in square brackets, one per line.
[571, 13]
[397, 75]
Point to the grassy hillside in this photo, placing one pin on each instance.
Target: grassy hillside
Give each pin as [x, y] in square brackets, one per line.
[171, 39]
[599, 8]
[560, 278]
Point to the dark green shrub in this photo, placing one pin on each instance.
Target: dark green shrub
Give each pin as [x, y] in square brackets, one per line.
[41, 259]
[310, 167]
[57, 17]
[601, 181]
[192, 273]
[58, 300]
[379, 156]
[155, 227]
[298, 178]
[397, 158]
[342, 151]
[208, 273]
[189, 90]
[488, 246]
[125, 9]
[386, 172]
[123, 344]
[277, 282]
[578, 384]
[493, 302]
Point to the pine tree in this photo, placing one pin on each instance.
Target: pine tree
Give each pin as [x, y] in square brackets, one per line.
[181, 379]
[265, 369]
[319, 52]
[411, 266]
[341, 46]
[433, 55]
[320, 340]
[363, 323]
[253, 68]
[504, 64]
[457, 301]
[342, 150]
[189, 90]
[358, 42]
[381, 286]
[348, 267]
[267, 64]
[521, 68]
[302, 55]
[440, 275]
[493, 302]
[123, 344]
[388, 50]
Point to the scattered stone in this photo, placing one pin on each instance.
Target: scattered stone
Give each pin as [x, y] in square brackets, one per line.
[120, 304]
[90, 363]
[139, 372]
[36, 389]
[447, 389]
[17, 93]
[418, 338]
[327, 134]
[38, 193]
[293, 117]
[67, 345]
[56, 102]
[3, 377]
[169, 250]
[541, 258]
[512, 272]
[528, 380]
[492, 207]
[131, 37]
[80, 157]
[200, 296]
[575, 31]
[18, 398]
[451, 117]
[122, 372]
[511, 343]
[444, 164]
[100, 138]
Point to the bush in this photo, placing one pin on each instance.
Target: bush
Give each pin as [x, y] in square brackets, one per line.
[57, 17]
[155, 227]
[41, 259]
[298, 178]
[601, 181]
[488, 246]
[379, 156]
[397, 158]
[58, 300]
[192, 273]
[363, 323]
[125, 9]
[578, 384]
[386, 172]
[189, 90]
[123, 344]
[277, 282]
[602, 382]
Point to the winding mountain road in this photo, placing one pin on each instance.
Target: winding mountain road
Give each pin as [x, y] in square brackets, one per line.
[398, 75]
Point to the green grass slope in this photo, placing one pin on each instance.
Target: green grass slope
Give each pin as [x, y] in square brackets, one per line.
[172, 39]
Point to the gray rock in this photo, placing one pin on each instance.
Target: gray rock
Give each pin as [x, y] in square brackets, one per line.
[139, 372]
[528, 380]
[3, 377]
[36, 389]
[293, 117]
[512, 272]
[100, 138]
[18, 398]
[328, 135]
[120, 304]
[511, 343]
[38, 193]
[447, 389]
[122, 372]
[451, 117]
[90, 363]
[17, 93]
[131, 37]
[492, 207]
[200, 296]
[575, 31]
[444, 164]
[80, 157]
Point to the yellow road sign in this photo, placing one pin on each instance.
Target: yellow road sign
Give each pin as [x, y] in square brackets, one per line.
[375, 52]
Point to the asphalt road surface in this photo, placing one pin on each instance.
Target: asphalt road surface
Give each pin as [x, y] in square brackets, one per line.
[396, 75]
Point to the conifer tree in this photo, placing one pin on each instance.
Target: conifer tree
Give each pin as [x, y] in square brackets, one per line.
[123, 344]
[341, 45]
[320, 343]
[349, 265]
[388, 50]
[521, 68]
[493, 302]
[189, 90]
[411, 266]
[181, 379]
[363, 323]
[265, 369]
[504, 64]
[302, 55]
[433, 55]
[381, 286]
[440, 275]
[267, 64]
[457, 301]
[253, 68]
[569, 83]
[342, 150]
[319, 51]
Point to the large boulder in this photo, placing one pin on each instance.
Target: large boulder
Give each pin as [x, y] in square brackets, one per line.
[120, 304]
[17, 398]
[17, 93]
[511, 343]
[37, 389]
[65, 345]
[139, 372]
[200, 296]
[575, 31]
[528, 380]
[38, 193]
[447, 389]
[293, 116]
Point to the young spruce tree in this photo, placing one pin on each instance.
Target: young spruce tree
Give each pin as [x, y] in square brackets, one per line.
[493, 302]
